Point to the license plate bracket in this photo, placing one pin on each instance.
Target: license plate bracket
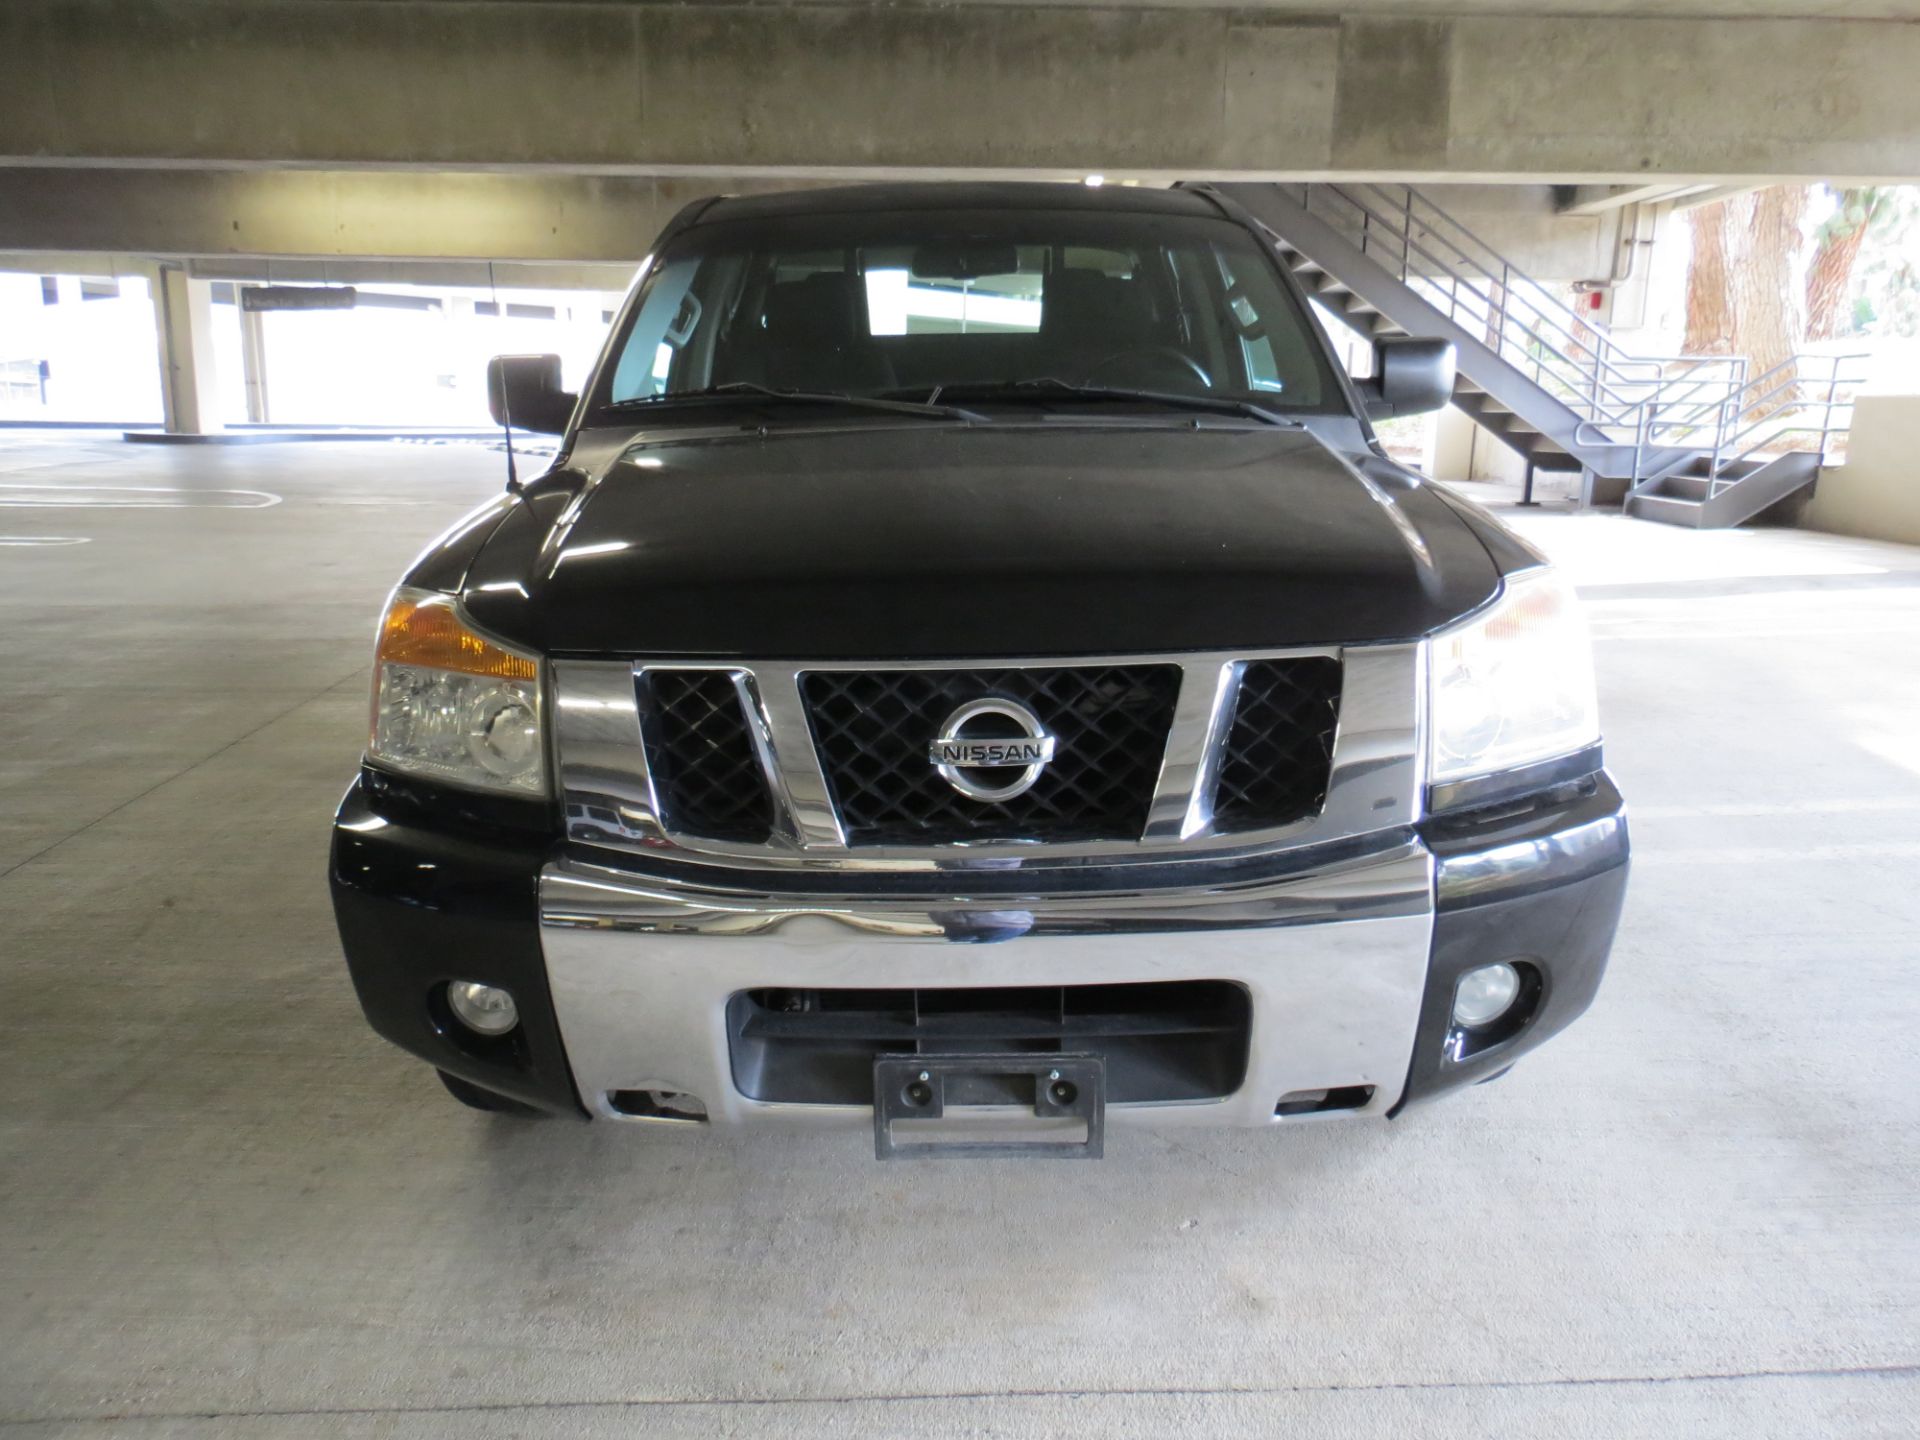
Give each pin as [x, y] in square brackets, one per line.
[1054, 1089]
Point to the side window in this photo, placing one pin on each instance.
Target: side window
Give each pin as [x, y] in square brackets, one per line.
[1256, 351]
[1205, 332]
[1278, 354]
[667, 317]
[1250, 333]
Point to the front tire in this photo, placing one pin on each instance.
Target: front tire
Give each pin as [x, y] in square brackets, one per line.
[475, 1098]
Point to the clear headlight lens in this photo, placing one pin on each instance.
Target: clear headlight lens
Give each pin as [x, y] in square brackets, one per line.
[452, 705]
[1513, 685]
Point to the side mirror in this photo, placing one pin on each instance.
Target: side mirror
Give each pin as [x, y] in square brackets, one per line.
[1411, 376]
[524, 390]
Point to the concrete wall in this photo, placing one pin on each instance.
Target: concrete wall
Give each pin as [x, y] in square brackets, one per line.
[863, 89]
[1463, 451]
[1876, 494]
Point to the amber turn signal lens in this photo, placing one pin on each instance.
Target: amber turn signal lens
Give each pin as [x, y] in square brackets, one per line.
[423, 630]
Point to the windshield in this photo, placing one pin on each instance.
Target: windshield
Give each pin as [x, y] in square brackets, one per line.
[908, 305]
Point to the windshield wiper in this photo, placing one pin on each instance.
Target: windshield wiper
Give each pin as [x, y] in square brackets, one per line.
[748, 390]
[1050, 387]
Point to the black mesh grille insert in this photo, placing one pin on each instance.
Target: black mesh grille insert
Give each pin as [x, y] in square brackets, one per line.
[702, 756]
[1279, 750]
[872, 728]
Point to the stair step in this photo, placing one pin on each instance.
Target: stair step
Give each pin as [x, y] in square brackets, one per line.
[1680, 487]
[1667, 510]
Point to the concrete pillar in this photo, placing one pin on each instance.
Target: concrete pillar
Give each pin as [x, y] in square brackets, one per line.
[189, 379]
[253, 360]
[1453, 439]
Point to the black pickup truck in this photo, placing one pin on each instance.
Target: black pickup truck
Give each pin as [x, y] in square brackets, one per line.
[971, 672]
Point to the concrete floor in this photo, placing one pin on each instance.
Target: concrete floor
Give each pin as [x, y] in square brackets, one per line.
[226, 1208]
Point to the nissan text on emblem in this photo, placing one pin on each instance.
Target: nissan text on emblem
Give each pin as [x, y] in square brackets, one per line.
[960, 757]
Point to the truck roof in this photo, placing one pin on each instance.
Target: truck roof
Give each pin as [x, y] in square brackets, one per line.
[956, 195]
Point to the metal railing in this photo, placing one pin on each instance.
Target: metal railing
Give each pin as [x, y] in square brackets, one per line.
[1709, 406]
[1803, 396]
[1570, 356]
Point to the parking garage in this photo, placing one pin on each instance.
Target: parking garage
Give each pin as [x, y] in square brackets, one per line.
[230, 1207]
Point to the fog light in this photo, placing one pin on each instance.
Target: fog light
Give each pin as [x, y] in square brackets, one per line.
[1485, 994]
[482, 1008]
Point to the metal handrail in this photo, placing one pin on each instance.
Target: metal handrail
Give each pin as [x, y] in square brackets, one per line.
[1736, 423]
[1513, 312]
[1613, 393]
[1499, 311]
[1510, 275]
[1574, 358]
[1827, 427]
[1729, 385]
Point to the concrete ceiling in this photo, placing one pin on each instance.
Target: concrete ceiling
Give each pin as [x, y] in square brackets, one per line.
[1257, 90]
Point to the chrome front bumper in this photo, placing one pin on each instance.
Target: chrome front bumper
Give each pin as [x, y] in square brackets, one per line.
[1334, 958]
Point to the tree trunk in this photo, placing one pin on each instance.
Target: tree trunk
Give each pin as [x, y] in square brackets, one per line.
[1709, 283]
[1830, 276]
[1767, 323]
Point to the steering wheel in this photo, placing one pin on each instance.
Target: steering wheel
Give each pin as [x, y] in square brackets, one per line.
[1167, 358]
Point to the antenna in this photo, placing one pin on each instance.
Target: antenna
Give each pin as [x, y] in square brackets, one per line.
[506, 413]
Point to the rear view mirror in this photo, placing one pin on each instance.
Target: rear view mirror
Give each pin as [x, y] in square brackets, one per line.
[524, 390]
[967, 261]
[1411, 376]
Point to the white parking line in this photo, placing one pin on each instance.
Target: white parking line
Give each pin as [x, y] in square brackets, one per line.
[45, 539]
[1841, 626]
[1786, 854]
[134, 497]
[1746, 810]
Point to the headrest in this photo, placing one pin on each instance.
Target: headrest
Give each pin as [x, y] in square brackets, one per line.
[1084, 307]
[819, 310]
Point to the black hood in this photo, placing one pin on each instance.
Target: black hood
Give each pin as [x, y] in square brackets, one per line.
[933, 540]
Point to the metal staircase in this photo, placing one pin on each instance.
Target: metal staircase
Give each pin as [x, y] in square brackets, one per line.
[1683, 439]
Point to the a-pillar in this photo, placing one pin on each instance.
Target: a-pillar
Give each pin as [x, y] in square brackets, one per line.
[189, 377]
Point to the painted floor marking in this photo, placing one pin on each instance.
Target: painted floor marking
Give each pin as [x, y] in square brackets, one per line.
[134, 497]
[1749, 810]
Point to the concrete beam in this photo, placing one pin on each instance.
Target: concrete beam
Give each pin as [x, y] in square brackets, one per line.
[1708, 195]
[535, 231]
[850, 89]
[361, 213]
[371, 274]
[1600, 199]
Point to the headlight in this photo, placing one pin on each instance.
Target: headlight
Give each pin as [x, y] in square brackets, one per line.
[1513, 685]
[452, 705]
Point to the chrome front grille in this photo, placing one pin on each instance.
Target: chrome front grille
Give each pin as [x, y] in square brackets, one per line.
[871, 728]
[825, 764]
